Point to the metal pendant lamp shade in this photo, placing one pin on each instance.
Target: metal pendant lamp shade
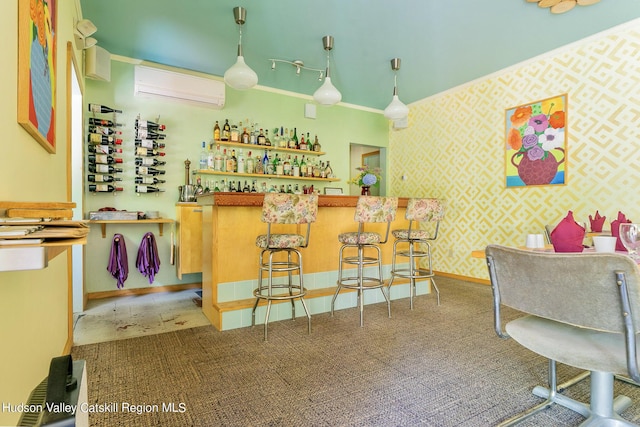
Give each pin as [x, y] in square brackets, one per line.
[327, 94]
[396, 110]
[240, 76]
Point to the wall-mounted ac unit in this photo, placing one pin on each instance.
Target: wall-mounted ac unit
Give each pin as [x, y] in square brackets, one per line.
[179, 87]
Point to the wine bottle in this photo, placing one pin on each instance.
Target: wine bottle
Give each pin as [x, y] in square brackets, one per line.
[142, 133]
[294, 140]
[102, 178]
[148, 180]
[104, 188]
[142, 151]
[104, 159]
[96, 138]
[148, 189]
[146, 170]
[149, 161]
[102, 122]
[103, 149]
[146, 124]
[99, 168]
[97, 108]
[226, 131]
[149, 143]
[103, 130]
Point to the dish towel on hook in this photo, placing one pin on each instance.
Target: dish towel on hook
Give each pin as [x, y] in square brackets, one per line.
[118, 262]
[148, 261]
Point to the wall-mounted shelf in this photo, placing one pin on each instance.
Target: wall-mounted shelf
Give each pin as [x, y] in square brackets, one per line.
[160, 221]
[269, 148]
[264, 176]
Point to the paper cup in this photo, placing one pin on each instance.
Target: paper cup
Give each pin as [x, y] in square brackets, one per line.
[531, 241]
[539, 241]
[604, 243]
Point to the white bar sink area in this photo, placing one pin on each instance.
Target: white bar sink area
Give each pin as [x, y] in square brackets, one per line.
[23, 258]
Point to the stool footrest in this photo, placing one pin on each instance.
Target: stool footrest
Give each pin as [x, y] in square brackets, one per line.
[418, 273]
[354, 260]
[367, 283]
[416, 254]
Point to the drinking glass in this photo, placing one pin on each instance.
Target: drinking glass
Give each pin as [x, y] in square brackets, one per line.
[630, 238]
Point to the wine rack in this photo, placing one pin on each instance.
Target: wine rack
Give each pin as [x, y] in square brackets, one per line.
[104, 144]
[149, 156]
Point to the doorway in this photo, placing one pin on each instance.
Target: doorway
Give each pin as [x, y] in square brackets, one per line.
[369, 155]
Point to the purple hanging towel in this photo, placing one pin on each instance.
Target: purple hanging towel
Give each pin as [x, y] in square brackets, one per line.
[148, 261]
[118, 262]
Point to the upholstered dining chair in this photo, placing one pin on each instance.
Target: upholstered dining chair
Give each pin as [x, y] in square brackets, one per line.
[580, 309]
[290, 211]
[369, 209]
[419, 210]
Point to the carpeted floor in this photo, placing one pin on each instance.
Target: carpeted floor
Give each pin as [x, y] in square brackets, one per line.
[433, 366]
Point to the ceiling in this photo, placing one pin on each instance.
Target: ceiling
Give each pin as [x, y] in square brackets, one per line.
[442, 43]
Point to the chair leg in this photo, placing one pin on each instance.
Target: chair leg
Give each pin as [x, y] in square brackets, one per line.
[361, 284]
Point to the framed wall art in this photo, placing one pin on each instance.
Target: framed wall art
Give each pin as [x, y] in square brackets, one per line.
[536, 143]
[37, 48]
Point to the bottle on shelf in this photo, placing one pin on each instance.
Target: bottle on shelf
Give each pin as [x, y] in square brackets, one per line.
[245, 136]
[148, 189]
[303, 168]
[232, 187]
[97, 108]
[226, 131]
[204, 156]
[104, 130]
[217, 160]
[103, 122]
[239, 187]
[102, 178]
[316, 145]
[216, 187]
[250, 164]
[258, 166]
[267, 141]
[104, 188]
[146, 124]
[231, 164]
[309, 143]
[261, 138]
[103, 149]
[289, 189]
[149, 143]
[100, 168]
[294, 140]
[224, 161]
[142, 133]
[146, 170]
[216, 132]
[149, 161]
[282, 138]
[241, 163]
[149, 152]
[104, 159]
[295, 167]
[286, 166]
[303, 143]
[148, 179]
[225, 186]
[253, 136]
[96, 138]
[253, 187]
[328, 171]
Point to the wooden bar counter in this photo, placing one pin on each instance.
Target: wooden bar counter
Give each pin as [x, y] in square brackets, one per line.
[230, 224]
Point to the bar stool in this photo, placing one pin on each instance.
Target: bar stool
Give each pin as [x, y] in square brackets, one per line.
[279, 208]
[369, 209]
[418, 210]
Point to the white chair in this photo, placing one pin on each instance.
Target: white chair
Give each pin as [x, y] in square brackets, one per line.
[582, 310]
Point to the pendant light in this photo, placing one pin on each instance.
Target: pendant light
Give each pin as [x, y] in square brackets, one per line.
[396, 110]
[240, 76]
[327, 94]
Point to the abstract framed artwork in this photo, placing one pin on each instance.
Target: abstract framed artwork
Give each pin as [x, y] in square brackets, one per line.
[37, 49]
[536, 143]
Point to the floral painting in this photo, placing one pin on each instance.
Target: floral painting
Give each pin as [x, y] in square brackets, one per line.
[536, 143]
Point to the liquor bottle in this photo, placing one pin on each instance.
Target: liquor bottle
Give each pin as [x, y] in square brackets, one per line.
[103, 122]
[253, 187]
[226, 131]
[96, 138]
[267, 141]
[148, 189]
[289, 189]
[216, 187]
[146, 170]
[225, 186]
[328, 171]
[250, 164]
[217, 159]
[149, 161]
[245, 136]
[294, 143]
[283, 140]
[149, 143]
[224, 161]
[146, 124]
[261, 139]
[246, 188]
[316, 145]
[235, 133]
[216, 132]
[303, 143]
[241, 168]
[232, 187]
[104, 130]
[253, 136]
[102, 178]
[229, 163]
[295, 168]
[148, 152]
[204, 156]
[99, 168]
[97, 108]
[309, 143]
[148, 179]
[303, 168]
[286, 166]
[103, 149]
[258, 167]
[104, 188]
[265, 163]
[142, 133]
[278, 166]
[239, 187]
[104, 159]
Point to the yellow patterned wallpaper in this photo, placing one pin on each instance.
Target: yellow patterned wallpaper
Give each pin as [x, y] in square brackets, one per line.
[454, 148]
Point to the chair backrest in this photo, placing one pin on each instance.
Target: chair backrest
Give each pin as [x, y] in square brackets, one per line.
[590, 290]
[286, 208]
[376, 209]
[425, 210]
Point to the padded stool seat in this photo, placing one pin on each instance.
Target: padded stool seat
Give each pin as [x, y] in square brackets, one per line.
[281, 241]
[359, 239]
[411, 234]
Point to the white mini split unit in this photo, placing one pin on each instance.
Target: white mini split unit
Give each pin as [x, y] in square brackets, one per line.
[179, 87]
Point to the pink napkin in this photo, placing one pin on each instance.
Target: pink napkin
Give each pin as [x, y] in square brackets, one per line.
[568, 235]
[615, 230]
[597, 222]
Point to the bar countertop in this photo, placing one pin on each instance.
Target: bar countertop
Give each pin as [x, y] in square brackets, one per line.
[255, 199]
